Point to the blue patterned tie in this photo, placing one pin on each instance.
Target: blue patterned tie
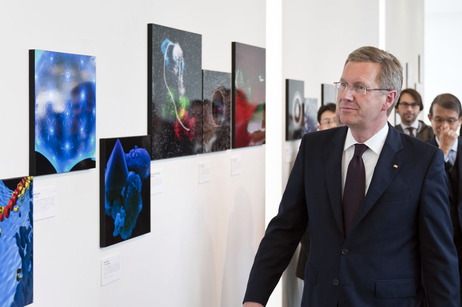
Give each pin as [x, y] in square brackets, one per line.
[355, 187]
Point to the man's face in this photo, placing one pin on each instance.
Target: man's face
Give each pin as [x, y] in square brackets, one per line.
[443, 118]
[408, 109]
[359, 111]
[327, 120]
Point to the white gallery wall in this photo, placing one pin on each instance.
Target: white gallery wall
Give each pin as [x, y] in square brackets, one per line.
[203, 236]
[443, 49]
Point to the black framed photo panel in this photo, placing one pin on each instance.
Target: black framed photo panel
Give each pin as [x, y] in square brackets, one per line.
[310, 115]
[295, 109]
[248, 88]
[125, 188]
[62, 112]
[217, 110]
[174, 92]
[328, 94]
[16, 241]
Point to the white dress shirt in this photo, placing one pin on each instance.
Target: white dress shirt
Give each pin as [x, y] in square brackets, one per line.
[414, 125]
[370, 156]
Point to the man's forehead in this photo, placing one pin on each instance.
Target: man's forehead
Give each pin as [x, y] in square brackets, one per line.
[361, 70]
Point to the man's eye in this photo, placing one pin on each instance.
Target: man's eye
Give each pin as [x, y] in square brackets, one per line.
[360, 87]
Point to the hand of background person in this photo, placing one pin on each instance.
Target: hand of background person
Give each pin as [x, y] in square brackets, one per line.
[252, 304]
[447, 137]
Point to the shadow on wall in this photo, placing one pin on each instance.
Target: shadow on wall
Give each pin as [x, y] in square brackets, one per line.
[239, 250]
[201, 273]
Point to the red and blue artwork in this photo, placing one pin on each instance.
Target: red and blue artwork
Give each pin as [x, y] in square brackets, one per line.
[174, 91]
[248, 87]
[217, 111]
[16, 241]
[62, 112]
[125, 186]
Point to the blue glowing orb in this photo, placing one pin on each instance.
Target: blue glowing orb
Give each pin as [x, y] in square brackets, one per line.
[65, 108]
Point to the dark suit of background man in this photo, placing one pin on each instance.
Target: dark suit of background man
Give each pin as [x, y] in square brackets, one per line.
[399, 249]
[445, 116]
[409, 106]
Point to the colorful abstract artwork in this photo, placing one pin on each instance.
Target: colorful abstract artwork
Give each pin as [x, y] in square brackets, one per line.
[174, 92]
[248, 87]
[216, 111]
[125, 186]
[62, 112]
[328, 94]
[16, 241]
[295, 109]
[310, 115]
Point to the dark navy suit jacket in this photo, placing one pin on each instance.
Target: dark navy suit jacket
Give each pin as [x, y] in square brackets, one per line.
[400, 250]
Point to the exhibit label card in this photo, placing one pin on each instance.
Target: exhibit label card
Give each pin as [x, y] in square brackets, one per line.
[110, 269]
[236, 166]
[205, 172]
[157, 181]
[44, 202]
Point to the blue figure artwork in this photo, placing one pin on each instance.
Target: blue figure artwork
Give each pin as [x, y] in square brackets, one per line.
[126, 190]
[16, 243]
[64, 112]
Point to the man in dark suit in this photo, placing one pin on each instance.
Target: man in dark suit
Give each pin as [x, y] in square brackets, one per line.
[445, 116]
[385, 241]
[408, 107]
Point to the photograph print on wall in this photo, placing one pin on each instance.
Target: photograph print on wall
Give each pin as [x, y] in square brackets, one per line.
[295, 109]
[125, 186]
[248, 88]
[16, 241]
[328, 94]
[62, 112]
[174, 92]
[310, 115]
[217, 111]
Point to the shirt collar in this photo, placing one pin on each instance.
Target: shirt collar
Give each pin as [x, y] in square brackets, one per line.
[375, 143]
[414, 125]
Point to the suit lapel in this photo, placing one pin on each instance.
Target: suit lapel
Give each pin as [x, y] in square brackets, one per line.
[333, 174]
[385, 171]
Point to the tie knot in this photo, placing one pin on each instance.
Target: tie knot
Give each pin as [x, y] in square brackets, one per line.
[411, 131]
[360, 149]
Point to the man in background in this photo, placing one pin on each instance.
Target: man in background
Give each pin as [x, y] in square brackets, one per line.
[445, 116]
[408, 107]
[326, 116]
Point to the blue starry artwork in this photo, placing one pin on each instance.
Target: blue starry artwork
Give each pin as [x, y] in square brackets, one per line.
[62, 112]
[16, 241]
[125, 188]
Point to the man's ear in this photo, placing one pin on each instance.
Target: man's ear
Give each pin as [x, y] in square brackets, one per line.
[389, 99]
[429, 117]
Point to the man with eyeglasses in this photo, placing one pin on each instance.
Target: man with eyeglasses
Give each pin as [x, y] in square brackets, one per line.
[408, 107]
[326, 116]
[445, 116]
[376, 201]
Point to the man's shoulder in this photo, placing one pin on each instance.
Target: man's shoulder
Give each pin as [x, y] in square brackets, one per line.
[399, 128]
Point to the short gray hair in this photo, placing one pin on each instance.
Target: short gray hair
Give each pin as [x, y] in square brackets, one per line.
[391, 72]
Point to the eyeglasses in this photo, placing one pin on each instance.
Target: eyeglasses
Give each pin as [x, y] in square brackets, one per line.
[440, 120]
[341, 87]
[327, 122]
[407, 105]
